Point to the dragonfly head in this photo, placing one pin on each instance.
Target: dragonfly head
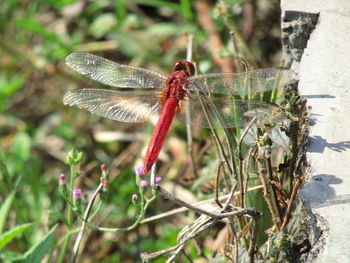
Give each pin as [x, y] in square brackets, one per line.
[186, 66]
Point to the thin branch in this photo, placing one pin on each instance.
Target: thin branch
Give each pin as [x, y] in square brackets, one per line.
[240, 160]
[147, 256]
[173, 198]
[252, 249]
[216, 137]
[273, 188]
[251, 153]
[188, 115]
[236, 57]
[260, 160]
[83, 225]
[217, 184]
[182, 203]
[189, 54]
[200, 225]
[290, 203]
[198, 204]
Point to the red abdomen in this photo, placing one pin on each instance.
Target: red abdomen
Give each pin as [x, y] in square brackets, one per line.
[159, 133]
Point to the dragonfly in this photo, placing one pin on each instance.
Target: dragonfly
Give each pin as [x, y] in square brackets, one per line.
[135, 94]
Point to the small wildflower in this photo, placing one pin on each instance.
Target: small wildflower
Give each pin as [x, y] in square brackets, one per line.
[143, 184]
[76, 194]
[158, 179]
[61, 180]
[139, 171]
[134, 198]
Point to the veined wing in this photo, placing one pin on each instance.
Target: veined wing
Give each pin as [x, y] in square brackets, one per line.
[125, 106]
[229, 113]
[114, 74]
[244, 83]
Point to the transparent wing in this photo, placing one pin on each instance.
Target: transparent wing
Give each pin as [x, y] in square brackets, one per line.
[244, 83]
[229, 113]
[114, 74]
[125, 106]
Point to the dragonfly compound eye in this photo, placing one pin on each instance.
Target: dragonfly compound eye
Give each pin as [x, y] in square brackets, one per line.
[186, 66]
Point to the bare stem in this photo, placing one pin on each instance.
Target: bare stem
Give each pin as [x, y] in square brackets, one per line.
[217, 184]
[188, 115]
[216, 137]
[252, 249]
[223, 214]
[147, 256]
[240, 161]
[290, 203]
[201, 203]
[83, 225]
[273, 189]
[236, 58]
[260, 159]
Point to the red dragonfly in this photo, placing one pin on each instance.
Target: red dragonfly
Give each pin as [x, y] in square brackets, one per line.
[208, 100]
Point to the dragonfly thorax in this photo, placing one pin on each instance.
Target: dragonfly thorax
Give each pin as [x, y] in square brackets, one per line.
[175, 85]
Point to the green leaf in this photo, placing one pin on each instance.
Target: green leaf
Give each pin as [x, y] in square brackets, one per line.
[120, 10]
[10, 85]
[58, 4]
[103, 24]
[12, 233]
[5, 209]
[36, 253]
[38, 29]
[9, 256]
[169, 29]
[59, 216]
[186, 9]
[128, 45]
[4, 173]
[21, 147]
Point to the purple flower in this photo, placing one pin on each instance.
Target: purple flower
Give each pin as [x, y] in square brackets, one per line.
[77, 194]
[61, 179]
[139, 171]
[143, 184]
[158, 179]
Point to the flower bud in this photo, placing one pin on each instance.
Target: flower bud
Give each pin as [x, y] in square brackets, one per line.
[104, 167]
[143, 184]
[139, 171]
[61, 180]
[74, 157]
[158, 179]
[134, 198]
[76, 195]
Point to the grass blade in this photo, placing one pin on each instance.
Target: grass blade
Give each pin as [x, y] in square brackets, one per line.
[12, 233]
[5, 209]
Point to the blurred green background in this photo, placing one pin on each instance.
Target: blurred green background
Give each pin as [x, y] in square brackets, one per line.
[37, 130]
